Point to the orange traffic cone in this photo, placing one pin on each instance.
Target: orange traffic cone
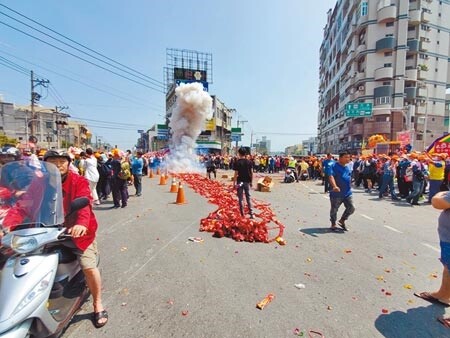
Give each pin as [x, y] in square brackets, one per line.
[162, 180]
[180, 195]
[150, 175]
[158, 172]
[174, 186]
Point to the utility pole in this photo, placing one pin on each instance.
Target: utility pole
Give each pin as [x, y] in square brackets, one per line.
[242, 123]
[35, 97]
[32, 105]
[59, 124]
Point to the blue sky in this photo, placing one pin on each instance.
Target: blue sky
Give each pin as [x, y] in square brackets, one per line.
[265, 60]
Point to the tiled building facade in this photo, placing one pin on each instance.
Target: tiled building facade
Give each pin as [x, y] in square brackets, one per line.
[393, 54]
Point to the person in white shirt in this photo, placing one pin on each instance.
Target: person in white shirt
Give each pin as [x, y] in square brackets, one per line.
[91, 174]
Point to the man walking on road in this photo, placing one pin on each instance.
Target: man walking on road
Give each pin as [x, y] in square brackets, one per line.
[326, 163]
[243, 177]
[340, 179]
[137, 165]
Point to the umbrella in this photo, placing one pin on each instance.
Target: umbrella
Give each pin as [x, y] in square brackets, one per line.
[440, 145]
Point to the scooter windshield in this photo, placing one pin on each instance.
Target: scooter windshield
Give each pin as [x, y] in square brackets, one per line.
[30, 195]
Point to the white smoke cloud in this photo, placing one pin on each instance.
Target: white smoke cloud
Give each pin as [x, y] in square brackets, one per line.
[193, 106]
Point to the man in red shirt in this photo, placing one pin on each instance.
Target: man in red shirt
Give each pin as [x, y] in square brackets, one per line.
[82, 225]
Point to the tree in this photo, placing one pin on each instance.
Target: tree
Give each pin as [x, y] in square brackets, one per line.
[5, 140]
[66, 144]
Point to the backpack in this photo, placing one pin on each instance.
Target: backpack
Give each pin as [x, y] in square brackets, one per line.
[106, 170]
[124, 173]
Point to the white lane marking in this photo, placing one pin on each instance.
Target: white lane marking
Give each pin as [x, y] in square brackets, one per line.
[393, 229]
[158, 252]
[431, 247]
[365, 216]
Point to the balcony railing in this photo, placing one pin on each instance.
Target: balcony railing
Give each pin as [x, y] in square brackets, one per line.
[413, 46]
[422, 74]
[386, 14]
[410, 93]
[386, 44]
[384, 73]
[414, 17]
[423, 46]
[411, 74]
[426, 17]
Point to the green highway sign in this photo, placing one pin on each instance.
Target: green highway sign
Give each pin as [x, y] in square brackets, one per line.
[358, 109]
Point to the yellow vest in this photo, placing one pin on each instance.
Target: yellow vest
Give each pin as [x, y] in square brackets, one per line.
[435, 172]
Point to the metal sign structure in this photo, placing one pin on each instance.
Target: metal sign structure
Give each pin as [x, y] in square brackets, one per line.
[236, 134]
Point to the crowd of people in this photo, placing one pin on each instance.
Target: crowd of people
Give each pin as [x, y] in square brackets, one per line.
[401, 175]
[412, 176]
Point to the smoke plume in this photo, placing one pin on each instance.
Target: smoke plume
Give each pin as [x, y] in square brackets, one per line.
[193, 106]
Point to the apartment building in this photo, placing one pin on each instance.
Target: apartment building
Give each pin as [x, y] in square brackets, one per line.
[393, 54]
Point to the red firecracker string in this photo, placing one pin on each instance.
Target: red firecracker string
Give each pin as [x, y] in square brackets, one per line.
[227, 221]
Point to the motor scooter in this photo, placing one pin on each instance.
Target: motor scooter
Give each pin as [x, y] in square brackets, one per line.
[42, 285]
[289, 176]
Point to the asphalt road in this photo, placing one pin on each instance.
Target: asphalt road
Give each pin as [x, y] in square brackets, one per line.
[159, 284]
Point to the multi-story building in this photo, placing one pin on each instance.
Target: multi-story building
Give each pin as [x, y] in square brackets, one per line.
[263, 146]
[48, 122]
[393, 54]
[310, 146]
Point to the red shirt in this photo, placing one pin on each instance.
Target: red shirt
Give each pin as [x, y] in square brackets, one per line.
[73, 187]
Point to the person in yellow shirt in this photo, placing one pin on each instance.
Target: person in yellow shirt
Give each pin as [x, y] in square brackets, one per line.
[436, 169]
[303, 169]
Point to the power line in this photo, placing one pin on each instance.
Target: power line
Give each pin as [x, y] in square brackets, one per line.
[81, 51]
[81, 58]
[81, 45]
[137, 99]
[15, 66]
[11, 67]
[61, 99]
[89, 85]
[109, 122]
[55, 96]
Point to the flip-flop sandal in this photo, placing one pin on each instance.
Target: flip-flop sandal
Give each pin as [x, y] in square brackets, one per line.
[428, 297]
[98, 316]
[444, 321]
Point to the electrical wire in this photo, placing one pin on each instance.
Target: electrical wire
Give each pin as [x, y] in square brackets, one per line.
[79, 50]
[81, 58]
[143, 104]
[81, 45]
[11, 67]
[14, 65]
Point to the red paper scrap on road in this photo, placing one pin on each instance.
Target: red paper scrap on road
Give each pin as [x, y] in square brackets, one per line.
[227, 221]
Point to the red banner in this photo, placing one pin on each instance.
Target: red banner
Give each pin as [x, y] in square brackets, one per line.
[442, 147]
[404, 137]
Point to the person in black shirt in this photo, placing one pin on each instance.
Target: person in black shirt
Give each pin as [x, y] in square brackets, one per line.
[243, 177]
